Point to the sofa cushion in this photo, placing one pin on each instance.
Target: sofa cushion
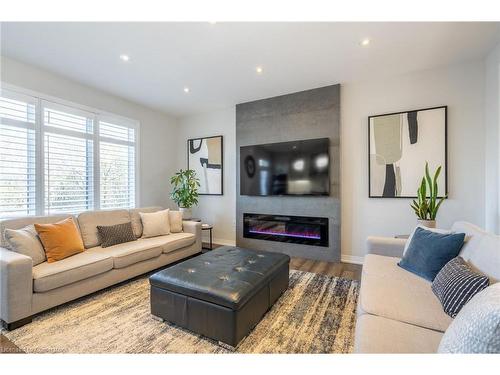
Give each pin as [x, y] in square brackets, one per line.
[48, 276]
[176, 241]
[128, 253]
[136, 218]
[375, 334]
[481, 251]
[89, 221]
[391, 292]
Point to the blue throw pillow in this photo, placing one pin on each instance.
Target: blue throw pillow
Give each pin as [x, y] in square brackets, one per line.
[428, 252]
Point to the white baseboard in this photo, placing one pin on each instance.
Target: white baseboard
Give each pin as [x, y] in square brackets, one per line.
[352, 259]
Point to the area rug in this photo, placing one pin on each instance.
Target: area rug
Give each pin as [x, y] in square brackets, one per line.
[315, 315]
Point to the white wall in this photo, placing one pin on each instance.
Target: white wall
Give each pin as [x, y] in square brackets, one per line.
[460, 87]
[218, 210]
[158, 148]
[492, 142]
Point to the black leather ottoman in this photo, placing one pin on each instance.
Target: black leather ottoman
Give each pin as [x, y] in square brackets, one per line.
[221, 294]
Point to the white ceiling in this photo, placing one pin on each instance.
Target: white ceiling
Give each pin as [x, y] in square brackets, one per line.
[217, 61]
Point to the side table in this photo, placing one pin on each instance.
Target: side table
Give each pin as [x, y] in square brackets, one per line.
[209, 228]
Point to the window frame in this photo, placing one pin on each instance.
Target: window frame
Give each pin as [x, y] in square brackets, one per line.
[98, 115]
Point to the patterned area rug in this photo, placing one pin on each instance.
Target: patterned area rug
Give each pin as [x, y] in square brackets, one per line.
[316, 314]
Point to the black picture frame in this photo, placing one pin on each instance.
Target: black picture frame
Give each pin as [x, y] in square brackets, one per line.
[222, 159]
[445, 107]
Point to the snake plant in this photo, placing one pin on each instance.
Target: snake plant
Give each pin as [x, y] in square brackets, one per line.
[427, 205]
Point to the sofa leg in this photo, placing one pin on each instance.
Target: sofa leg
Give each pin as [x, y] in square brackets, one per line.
[17, 324]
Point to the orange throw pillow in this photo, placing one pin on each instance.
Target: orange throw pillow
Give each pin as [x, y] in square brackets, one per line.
[60, 240]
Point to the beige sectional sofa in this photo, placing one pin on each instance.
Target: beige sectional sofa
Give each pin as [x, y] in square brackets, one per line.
[397, 310]
[26, 290]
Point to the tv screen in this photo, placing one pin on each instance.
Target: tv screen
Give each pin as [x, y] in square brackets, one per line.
[287, 168]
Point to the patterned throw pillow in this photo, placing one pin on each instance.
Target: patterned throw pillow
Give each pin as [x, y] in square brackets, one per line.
[476, 329]
[456, 284]
[116, 234]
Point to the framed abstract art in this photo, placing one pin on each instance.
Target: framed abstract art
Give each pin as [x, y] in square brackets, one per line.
[205, 157]
[399, 145]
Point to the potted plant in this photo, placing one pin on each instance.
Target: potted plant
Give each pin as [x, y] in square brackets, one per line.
[427, 206]
[185, 191]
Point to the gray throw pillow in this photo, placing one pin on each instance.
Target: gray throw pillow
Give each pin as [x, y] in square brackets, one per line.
[25, 241]
[476, 328]
[115, 234]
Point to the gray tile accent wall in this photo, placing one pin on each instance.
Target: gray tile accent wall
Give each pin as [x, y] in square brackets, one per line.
[303, 115]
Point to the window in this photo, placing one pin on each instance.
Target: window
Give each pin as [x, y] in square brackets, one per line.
[17, 155]
[117, 165]
[68, 159]
[56, 158]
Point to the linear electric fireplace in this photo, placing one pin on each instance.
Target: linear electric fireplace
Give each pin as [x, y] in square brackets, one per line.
[284, 228]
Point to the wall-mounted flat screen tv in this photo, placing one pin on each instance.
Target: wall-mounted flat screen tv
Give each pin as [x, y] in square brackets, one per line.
[287, 168]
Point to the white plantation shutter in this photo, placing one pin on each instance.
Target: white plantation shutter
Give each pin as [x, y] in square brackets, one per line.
[57, 158]
[68, 159]
[17, 155]
[117, 165]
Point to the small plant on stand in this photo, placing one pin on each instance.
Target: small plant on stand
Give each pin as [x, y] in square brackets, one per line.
[427, 204]
[185, 186]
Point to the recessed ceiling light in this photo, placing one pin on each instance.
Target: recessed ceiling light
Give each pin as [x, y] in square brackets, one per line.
[259, 70]
[186, 90]
[212, 22]
[124, 57]
[365, 42]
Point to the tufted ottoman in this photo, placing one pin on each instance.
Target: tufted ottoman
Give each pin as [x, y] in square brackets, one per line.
[221, 294]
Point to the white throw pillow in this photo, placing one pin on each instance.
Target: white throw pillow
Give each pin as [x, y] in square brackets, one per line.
[155, 223]
[175, 221]
[435, 230]
[476, 328]
[25, 241]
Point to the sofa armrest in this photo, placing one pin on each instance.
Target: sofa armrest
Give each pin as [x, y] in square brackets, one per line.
[195, 228]
[16, 285]
[387, 246]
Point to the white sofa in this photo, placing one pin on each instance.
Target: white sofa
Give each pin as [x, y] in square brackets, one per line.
[397, 310]
[26, 290]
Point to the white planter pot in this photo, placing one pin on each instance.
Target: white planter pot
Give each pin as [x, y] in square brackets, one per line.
[187, 213]
[427, 223]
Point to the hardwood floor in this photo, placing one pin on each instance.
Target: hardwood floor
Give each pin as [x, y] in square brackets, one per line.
[345, 270]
